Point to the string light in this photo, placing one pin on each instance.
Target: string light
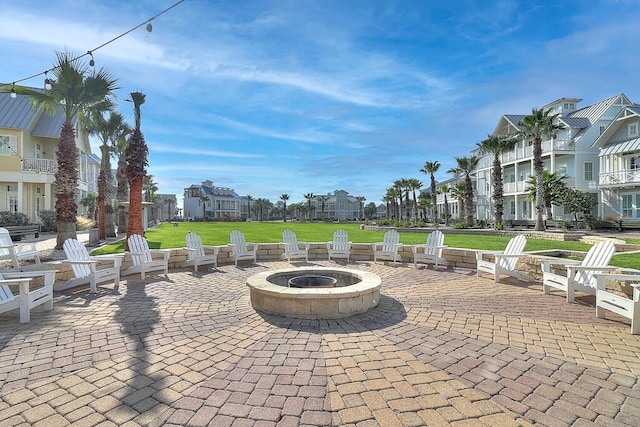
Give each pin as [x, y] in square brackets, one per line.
[47, 82]
[149, 28]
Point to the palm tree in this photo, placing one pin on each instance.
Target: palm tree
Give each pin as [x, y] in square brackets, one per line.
[431, 168]
[149, 187]
[249, 199]
[284, 198]
[360, 200]
[414, 184]
[424, 204]
[398, 184]
[497, 145]
[466, 166]
[392, 197]
[73, 90]
[534, 127]
[309, 197]
[136, 154]
[553, 189]
[119, 145]
[323, 201]
[457, 191]
[204, 199]
[444, 189]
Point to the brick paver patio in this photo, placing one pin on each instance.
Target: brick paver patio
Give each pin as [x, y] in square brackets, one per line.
[443, 348]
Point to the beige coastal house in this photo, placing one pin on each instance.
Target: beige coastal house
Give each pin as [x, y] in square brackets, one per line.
[28, 142]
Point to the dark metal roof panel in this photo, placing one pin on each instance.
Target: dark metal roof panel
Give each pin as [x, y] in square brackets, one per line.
[16, 113]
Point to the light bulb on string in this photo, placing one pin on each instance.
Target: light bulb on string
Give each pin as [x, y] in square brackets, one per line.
[47, 82]
[14, 94]
[91, 61]
[149, 27]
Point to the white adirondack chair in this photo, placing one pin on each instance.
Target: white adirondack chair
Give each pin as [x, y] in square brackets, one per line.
[142, 257]
[387, 250]
[579, 275]
[88, 269]
[198, 254]
[26, 299]
[504, 262]
[293, 248]
[16, 252]
[431, 252]
[627, 307]
[340, 246]
[241, 249]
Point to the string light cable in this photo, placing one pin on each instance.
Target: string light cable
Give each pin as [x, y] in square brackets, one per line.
[149, 28]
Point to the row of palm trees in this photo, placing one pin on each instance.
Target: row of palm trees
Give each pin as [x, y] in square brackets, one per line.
[89, 95]
[532, 127]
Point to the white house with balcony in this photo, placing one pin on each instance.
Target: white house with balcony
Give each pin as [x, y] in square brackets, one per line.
[28, 142]
[570, 150]
[336, 206]
[619, 166]
[211, 202]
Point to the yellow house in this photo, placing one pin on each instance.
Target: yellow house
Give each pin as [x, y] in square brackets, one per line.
[28, 143]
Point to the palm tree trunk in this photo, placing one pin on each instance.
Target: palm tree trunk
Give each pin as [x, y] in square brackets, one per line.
[134, 225]
[498, 193]
[66, 184]
[538, 167]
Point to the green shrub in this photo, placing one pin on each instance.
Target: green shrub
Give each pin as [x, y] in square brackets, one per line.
[8, 218]
[460, 225]
[49, 224]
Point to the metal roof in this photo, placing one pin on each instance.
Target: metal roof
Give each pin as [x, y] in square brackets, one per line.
[20, 114]
[628, 146]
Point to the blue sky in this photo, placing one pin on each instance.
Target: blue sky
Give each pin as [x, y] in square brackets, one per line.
[272, 97]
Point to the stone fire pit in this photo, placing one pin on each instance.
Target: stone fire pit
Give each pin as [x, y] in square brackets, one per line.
[355, 292]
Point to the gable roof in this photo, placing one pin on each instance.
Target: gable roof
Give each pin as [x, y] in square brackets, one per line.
[19, 113]
[629, 112]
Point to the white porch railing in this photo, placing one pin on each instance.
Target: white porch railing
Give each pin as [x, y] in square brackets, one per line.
[620, 177]
[39, 165]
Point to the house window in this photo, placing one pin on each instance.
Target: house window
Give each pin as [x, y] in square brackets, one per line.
[638, 205]
[627, 205]
[634, 162]
[13, 204]
[602, 128]
[8, 145]
[632, 129]
[588, 171]
[562, 169]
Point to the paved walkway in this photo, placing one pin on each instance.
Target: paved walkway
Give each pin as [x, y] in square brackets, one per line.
[442, 348]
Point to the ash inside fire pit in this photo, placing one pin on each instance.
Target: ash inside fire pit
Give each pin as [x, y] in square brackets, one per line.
[312, 282]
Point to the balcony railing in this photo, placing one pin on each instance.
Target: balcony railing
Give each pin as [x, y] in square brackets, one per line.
[620, 177]
[548, 146]
[39, 165]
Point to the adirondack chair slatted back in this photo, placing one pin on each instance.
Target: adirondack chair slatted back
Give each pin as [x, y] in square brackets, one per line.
[5, 252]
[139, 245]
[288, 236]
[598, 256]
[340, 240]
[194, 242]
[238, 241]
[514, 247]
[76, 251]
[391, 239]
[434, 239]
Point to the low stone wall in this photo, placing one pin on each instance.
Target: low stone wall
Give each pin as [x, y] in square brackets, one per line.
[456, 257]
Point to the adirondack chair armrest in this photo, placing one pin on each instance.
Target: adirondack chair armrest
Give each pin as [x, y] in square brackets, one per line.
[7, 246]
[375, 245]
[603, 277]
[480, 254]
[48, 275]
[116, 258]
[573, 269]
[14, 281]
[20, 246]
[164, 252]
[499, 256]
[306, 245]
[214, 249]
[547, 263]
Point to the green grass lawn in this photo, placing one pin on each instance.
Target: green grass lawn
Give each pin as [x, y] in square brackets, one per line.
[167, 236]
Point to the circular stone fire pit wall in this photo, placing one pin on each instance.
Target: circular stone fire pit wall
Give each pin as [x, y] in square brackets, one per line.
[355, 292]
